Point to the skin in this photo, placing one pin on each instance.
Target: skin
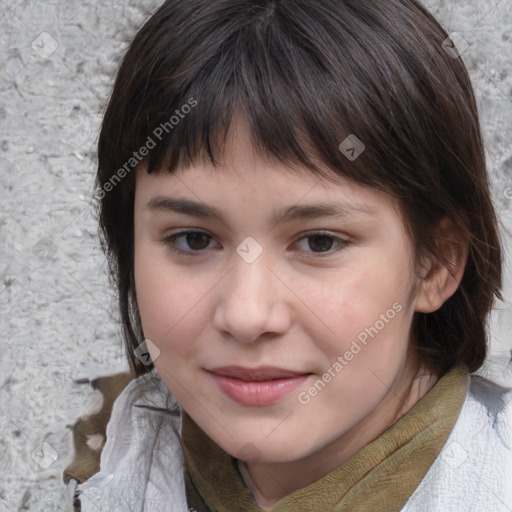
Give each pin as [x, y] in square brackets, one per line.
[297, 306]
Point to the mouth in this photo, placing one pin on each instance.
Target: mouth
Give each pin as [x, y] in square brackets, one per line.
[255, 374]
[257, 386]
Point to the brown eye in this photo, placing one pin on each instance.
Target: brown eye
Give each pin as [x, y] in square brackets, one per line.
[190, 242]
[320, 243]
[196, 240]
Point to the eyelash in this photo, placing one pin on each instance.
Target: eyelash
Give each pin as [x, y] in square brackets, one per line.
[170, 242]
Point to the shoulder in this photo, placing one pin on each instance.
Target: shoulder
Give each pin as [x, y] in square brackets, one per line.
[474, 469]
[141, 460]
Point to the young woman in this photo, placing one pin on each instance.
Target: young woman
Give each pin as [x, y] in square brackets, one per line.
[294, 202]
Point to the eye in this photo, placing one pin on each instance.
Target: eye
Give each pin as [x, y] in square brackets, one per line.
[321, 243]
[197, 241]
[193, 241]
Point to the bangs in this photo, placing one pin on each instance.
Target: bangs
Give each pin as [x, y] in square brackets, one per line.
[301, 92]
[263, 69]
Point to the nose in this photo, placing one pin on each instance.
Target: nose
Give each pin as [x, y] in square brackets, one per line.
[252, 302]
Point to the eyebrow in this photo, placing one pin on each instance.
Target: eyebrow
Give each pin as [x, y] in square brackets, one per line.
[304, 211]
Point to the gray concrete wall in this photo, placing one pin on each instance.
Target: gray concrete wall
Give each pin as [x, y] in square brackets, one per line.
[57, 316]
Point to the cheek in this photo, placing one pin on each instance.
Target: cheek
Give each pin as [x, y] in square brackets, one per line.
[361, 312]
[170, 304]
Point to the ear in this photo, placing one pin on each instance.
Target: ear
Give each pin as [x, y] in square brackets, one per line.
[438, 283]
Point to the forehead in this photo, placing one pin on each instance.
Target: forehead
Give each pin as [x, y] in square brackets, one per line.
[261, 196]
[245, 169]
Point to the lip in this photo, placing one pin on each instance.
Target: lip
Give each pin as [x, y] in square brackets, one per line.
[257, 386]
[255, 374]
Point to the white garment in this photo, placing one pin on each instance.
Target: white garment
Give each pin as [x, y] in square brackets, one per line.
[141, 462]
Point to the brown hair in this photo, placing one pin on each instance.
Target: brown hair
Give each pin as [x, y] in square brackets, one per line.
[306, 74]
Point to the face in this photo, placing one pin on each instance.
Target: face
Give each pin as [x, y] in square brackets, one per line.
[320, 301]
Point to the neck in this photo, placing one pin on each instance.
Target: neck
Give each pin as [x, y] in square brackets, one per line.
[270, 482]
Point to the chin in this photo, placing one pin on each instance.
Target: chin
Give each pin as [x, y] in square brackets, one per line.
[262, 451]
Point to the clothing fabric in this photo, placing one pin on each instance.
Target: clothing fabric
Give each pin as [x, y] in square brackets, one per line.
[87, 458]
[143, 470]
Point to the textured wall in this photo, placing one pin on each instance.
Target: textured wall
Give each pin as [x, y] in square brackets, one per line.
[58, 321]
